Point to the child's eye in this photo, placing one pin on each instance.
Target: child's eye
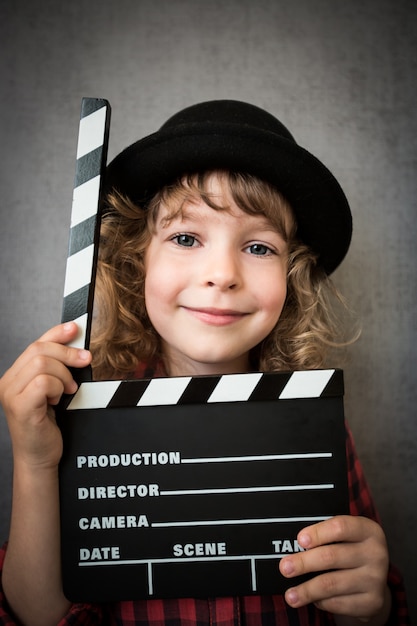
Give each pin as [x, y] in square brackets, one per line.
[185, 240]
[259, 249]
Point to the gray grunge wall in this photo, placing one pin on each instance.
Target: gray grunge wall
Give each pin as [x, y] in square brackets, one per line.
[341, 75]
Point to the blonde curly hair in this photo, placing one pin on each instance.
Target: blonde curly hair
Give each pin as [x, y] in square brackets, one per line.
[122, 333]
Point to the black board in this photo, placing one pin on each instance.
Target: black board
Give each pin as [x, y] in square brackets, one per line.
[195, 498]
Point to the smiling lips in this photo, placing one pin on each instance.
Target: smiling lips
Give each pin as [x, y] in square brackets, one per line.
[216, 317]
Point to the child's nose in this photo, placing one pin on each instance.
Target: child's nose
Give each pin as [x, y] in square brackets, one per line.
[223, 272]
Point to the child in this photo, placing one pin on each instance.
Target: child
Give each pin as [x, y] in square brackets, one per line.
[218, 237]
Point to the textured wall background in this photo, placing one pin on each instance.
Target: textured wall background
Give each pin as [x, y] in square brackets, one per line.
[341, 75]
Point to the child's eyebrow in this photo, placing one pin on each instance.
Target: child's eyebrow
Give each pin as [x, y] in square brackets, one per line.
[181, 215]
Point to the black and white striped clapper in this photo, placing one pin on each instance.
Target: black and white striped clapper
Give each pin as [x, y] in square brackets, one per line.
[85, 217]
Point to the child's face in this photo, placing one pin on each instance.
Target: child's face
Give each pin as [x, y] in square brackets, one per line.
[215, 285]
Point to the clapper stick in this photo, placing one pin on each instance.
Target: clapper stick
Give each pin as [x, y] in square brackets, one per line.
[85, 220]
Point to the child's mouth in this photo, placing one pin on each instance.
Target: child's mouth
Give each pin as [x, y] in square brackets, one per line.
[216, 317]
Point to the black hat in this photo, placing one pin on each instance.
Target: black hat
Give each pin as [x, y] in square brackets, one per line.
[236, 136]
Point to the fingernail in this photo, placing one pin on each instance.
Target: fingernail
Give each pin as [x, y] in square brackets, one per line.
[69, 326]
[304, 540]
[84, 355]
[291, 596]
[287, 567]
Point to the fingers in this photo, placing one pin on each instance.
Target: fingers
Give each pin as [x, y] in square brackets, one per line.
[58, 335]
[352, 556]
[323, 558]
[337, 592]
[62, 333]
[53, 343]
[344, 528]
[40, 375]
[41, 381]
[34, 383]
[47, 358]
[338, 543]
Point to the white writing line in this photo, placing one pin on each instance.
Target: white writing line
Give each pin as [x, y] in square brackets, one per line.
[150, 578]
[191, 492]
[262, 457]
[253, 572]
[244, 557]
[230, 522]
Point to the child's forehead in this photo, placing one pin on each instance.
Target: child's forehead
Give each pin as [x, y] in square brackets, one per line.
[195, 209]
[202, 196]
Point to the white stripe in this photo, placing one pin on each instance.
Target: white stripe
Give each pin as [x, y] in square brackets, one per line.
[79, 268]
[263, 457]
[85, 201]
[197, 492]
[307, 384]
[162, 391]
[234, 387]
[150, 579]
[79, 341]
[94, 395]
[91, 132]
[186, 559]
[253, 573]
[231, 522]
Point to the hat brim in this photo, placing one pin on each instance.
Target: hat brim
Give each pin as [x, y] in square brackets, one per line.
[320, 205]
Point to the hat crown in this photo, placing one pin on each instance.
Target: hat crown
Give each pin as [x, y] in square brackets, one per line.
[219, 112]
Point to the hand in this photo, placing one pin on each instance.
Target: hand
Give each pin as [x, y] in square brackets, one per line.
[351, 552]
[32, 386]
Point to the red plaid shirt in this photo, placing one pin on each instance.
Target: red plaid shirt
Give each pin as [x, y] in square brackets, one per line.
[239, 611]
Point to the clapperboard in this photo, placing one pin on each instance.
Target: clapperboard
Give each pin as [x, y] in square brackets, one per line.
[186, 486]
